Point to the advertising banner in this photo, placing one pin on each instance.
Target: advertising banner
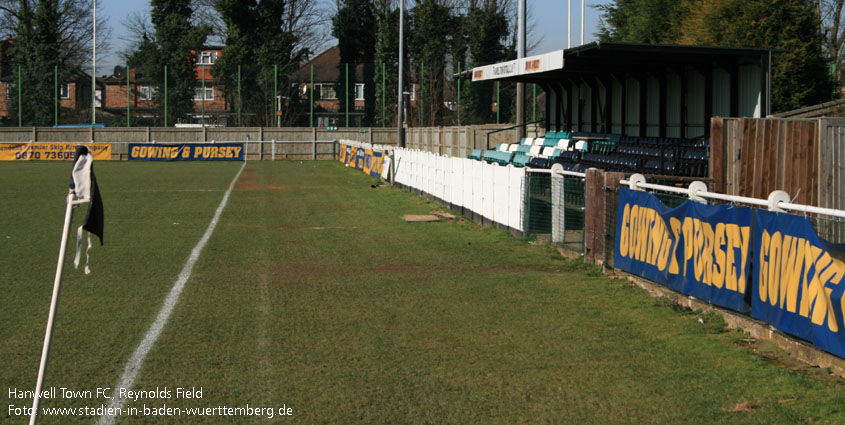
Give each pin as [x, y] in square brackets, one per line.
[696, 249]
[187, 152]
[373, 163]
[51, 151]
[797, 280]
[367, 160]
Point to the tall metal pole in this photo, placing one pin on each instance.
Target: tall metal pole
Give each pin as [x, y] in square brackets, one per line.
[459, 93]
[203, 96]
[582, 22]
[94, 72]
[312, 95]
[401, 98]
[165, 95]
[383, 94]
[56, 95]
[239, 95]
[498, 103]
[520, 87]
[346, 92]
[127, 97]
[569, 25]
[422, 89]
[276, 95]
[20, 101]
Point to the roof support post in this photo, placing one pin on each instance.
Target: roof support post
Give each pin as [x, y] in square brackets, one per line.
[594, 97]
[607, 119]
[547, 89]
[570, 99]
[683, 74]
[733, 70]
[623, 110]
[663, 108]
[643, 112]
[708, 98]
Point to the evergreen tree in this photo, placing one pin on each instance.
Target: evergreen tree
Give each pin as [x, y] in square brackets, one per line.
[800, 75]
[266, 53]
[36, 53]
[641, 21]
[172, 45]
[386, 59]
[431, 34]
[800, 72]
[354, 26]
[486, 30]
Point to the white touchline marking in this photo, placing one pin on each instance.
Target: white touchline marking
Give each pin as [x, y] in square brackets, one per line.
[133, 366]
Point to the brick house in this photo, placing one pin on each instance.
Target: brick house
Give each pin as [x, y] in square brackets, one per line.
[74, 93]
[327, 88]
[142, 93]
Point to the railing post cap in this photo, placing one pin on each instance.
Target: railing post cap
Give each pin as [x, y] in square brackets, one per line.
[776, 198]
[694, 188]
[635, 180]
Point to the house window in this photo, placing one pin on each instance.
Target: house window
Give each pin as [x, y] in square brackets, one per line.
[64, 91]
[327, 91]
[209, 93]
[146, 93]
[207, 58]
[359, 91]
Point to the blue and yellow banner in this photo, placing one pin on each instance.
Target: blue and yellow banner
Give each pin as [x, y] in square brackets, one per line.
[367, 160]
[696, 249]
[797, 280]
[187, 152]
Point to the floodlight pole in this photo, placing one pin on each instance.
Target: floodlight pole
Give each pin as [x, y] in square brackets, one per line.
[54, 302]
[582, 22]
[401, 98]
[94, 72]
[569, 25]
[520, 87]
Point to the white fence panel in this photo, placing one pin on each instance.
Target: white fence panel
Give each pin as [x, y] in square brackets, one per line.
[457, 182]
[466, 183]
[515, 179]
[500, 194]
[477, 185]
[487, 191]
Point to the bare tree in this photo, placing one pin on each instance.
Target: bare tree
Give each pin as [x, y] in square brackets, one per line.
[76, 27]
[832, 28]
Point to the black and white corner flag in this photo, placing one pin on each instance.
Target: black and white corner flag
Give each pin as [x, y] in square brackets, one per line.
[84, 185]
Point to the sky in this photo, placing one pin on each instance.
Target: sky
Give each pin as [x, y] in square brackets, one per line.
[549, 17]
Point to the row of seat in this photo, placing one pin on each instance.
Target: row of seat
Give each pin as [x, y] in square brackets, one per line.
[651, 155]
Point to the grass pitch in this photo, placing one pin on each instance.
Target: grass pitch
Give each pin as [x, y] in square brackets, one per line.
[312, 294]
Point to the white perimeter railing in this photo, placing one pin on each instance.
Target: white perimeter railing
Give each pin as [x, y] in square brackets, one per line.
[778, 200]
[492, 191]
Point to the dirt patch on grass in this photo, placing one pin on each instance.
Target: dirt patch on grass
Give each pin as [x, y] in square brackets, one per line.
[311, 270]
[245, 186]
[745, 406]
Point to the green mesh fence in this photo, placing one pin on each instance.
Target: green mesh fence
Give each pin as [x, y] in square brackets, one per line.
[573, 213]
[537, 206]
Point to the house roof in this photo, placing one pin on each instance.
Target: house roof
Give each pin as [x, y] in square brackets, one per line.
[326, 68]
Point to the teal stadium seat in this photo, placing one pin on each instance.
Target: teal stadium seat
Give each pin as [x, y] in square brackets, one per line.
[520, 159]
[498, 157]
[476, 154]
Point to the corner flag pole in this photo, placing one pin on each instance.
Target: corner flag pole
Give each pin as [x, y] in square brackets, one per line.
[54, 302]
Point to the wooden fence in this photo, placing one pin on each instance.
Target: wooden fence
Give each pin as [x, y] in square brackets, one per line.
[804, 157]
